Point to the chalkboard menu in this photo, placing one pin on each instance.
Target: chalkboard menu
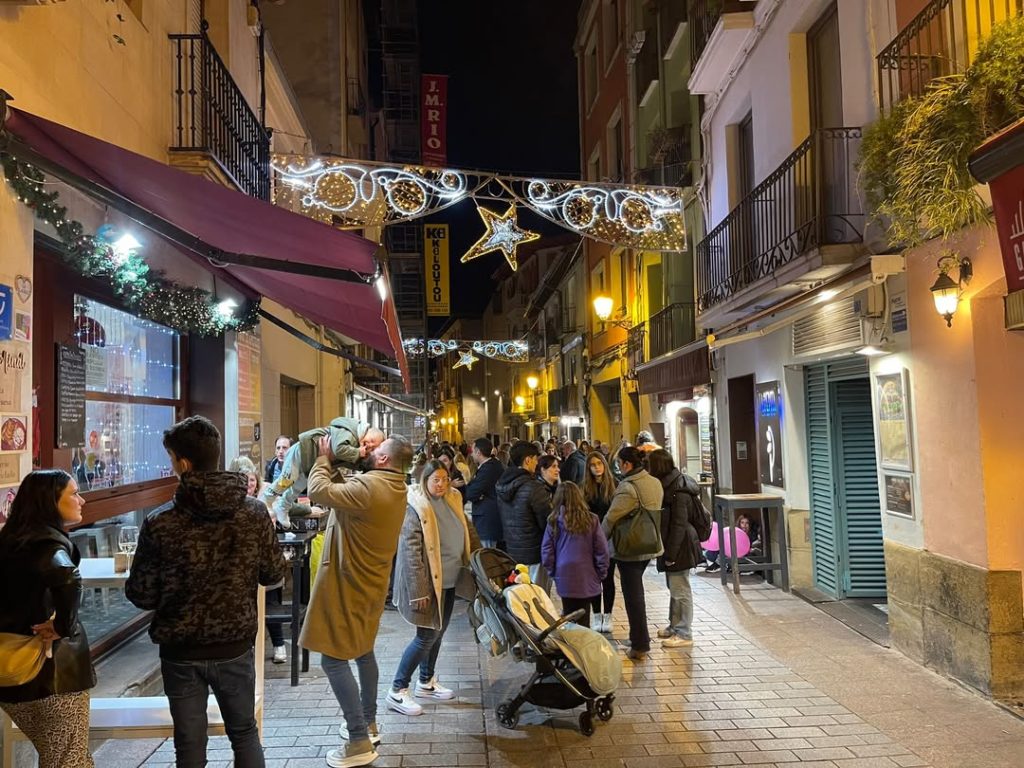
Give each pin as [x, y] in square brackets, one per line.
[70, 397]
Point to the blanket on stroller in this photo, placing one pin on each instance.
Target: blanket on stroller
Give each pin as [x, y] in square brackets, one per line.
[587, 650]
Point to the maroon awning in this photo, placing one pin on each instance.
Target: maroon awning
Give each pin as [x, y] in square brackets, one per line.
[681, 370]
[235, 224]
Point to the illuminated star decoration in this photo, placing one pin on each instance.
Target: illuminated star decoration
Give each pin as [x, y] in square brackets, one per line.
[466, 360]
[503, 233]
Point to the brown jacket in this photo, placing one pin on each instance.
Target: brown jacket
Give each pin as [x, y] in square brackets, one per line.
[352, 581]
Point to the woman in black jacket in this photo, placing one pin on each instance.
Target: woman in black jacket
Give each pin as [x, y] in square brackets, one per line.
[684, 524]
[41, 589]
[598, 489]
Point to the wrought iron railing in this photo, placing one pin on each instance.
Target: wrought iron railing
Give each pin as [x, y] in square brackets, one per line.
[939, 41]
[809, 201]
[635, 345]
[671, 328]
[212, 115]
[703, 18]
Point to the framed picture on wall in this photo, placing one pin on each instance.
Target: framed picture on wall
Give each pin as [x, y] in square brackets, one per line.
[892, 402]
[769, 433]
[899, 495]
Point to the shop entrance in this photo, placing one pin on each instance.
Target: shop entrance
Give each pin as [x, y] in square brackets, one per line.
[846, 518]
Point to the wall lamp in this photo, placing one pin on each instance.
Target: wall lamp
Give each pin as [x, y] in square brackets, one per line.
[945, 292]
[532, 382]
[603, 309]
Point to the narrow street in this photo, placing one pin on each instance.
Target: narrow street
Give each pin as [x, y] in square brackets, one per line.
[770, 681]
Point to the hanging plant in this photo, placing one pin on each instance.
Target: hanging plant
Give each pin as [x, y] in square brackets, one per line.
[913, 161]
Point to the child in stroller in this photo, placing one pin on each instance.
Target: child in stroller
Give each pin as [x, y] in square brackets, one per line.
[573, 665]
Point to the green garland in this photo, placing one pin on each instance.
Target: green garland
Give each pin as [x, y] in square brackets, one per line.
[146, 292]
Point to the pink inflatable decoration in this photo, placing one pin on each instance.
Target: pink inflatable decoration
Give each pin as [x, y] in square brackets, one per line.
[742, 543]
[711, 545]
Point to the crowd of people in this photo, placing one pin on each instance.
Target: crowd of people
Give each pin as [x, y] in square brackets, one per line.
[573, 515]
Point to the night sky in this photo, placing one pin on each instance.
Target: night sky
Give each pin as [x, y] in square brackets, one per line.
[511, 108]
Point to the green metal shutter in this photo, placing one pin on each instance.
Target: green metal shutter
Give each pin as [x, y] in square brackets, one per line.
[824, 543]
[857, 487]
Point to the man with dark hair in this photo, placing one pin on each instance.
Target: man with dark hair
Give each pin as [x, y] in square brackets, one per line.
[348, 595]
[199, 561]
[524, 505]
[482, 494]
[273, 469]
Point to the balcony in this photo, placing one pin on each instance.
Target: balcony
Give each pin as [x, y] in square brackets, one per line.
[671, 328]
[718, 29]
[355, 100]
[939, 41]
[213, 120]
[635, 346]
[780, 231]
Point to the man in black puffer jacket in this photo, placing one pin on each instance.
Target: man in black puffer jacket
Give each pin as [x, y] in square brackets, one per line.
[200, 559]
[524, 504]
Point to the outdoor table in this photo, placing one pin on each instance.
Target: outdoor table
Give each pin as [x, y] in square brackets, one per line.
[726, 506]
[98, 573]
[300, 545]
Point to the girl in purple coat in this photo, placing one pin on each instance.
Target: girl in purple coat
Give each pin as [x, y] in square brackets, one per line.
[575, 551]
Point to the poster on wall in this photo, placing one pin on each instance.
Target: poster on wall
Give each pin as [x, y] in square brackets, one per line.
[899, 495]
[893, 407]
[13, 433]
[768, 397]
[6, 499]
[6, 311]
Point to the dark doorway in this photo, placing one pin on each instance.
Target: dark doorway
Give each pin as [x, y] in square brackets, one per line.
[743, 435]
[826, 74]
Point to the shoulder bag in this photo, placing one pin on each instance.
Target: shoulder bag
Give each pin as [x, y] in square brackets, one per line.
[638, 533]
[21, 658]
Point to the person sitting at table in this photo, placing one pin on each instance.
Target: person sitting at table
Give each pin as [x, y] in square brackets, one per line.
[275, 593]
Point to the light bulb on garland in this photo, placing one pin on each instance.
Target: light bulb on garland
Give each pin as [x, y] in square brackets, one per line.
[144, 291]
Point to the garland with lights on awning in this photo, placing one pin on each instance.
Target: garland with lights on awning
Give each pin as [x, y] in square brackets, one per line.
[352, 194]
[469, 352]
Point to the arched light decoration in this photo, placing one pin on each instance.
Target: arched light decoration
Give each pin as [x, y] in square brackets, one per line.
[512, 351]
[945, 292]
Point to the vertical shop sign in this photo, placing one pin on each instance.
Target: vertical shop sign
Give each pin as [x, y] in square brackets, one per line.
[434, 119]
[435, 240]
[769, 433]
[1008, 204]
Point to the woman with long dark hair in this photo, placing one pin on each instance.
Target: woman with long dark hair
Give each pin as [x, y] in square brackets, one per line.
[598, 489]
[40, 589]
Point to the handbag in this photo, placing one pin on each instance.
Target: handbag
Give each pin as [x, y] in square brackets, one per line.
[638, 534]
[21, 658]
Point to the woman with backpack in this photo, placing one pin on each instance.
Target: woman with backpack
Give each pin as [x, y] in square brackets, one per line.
[684, 524]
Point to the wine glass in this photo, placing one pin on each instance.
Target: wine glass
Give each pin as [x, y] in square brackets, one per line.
[128, 539]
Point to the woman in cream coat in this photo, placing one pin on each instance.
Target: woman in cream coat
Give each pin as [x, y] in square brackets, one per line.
[436, 541]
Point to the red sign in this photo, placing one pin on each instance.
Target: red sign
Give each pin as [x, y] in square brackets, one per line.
[1008, 204]
[434, 119]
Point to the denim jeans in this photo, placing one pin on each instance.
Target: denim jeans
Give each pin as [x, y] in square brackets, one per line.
[233, 681]
[631, 574]
[680, 603]
[425, 647]
[358, 700]
[489, 543]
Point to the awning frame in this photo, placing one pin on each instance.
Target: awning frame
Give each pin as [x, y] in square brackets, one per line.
[390, 402]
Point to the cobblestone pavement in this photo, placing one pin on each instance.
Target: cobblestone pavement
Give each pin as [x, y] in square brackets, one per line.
[770, 681]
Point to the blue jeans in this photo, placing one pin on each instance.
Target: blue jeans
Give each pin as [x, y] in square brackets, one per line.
[489, 543]
[233, 681]
[425, 647]
[680, 603]
[358, 700]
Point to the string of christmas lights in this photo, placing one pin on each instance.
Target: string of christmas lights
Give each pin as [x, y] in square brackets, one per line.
[512, 351]
[146, 292]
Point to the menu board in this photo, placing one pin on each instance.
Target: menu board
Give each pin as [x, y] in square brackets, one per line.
[70, 397]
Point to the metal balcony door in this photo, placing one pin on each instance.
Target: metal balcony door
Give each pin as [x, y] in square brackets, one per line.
[846, 519]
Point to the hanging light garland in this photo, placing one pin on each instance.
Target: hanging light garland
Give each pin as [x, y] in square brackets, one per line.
[513, 351]
[503, 234]
[146, 292]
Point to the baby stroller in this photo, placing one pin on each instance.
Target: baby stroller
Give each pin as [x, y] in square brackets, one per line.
[573, 665]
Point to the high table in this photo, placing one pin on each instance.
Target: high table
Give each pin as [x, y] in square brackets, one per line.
[726, 506]
[98, 573]
[300, 545]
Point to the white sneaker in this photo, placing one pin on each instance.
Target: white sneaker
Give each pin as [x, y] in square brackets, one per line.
[352, 754]
[609, 625]
[676, 642]
[401, 701]
[280, 654]
[372, 728]
[434, 690]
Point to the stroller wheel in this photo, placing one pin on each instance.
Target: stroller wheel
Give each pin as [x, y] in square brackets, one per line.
[605, 710]
[586, 724]
[508, 717]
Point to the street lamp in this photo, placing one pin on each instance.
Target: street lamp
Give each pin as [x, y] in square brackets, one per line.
[520, 401]
[945, 292]
[532, 382]
[603, 309]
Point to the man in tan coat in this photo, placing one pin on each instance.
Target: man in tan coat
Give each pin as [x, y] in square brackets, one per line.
[348, 595]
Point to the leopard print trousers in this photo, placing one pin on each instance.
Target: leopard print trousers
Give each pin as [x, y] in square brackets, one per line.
[58, 727]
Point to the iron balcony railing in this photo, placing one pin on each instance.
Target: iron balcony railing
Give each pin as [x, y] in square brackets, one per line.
[212, 116]
[809, 201]
[941, 40]
[635, 345]
[703, 18]
[671, 328]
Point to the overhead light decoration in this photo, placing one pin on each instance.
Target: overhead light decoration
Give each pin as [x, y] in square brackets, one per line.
[945, 292]
[503, 234]
[466, 360]
[512, 351]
